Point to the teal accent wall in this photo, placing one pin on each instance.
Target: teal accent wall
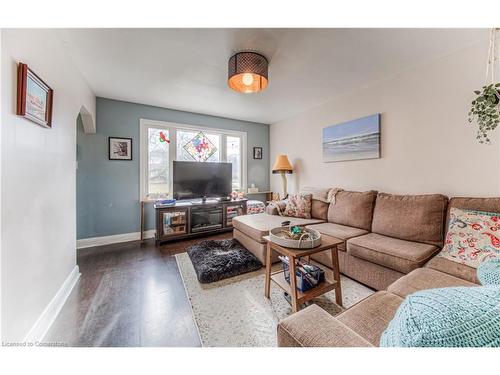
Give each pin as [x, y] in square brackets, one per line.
[107, 191]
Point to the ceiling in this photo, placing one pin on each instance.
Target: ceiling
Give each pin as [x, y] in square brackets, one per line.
[186, 69]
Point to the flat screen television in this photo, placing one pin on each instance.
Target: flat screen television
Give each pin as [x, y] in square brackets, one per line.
[194, 180]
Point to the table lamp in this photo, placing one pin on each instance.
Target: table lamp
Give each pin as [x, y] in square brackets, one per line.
[282, 166]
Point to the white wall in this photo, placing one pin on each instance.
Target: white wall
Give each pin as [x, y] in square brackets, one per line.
[427, 144]
[38, 181]
[1, 107]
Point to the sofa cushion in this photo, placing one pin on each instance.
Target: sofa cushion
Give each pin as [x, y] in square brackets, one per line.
[479, 204]
[450, 267]
[472, 237]
[400, 255]
[424, 278]
[417, 218]
[338, 231]
[453, 268]
[314, 327]
[370, 317]
[371, 274]
[319, 209]
[352, 208]
[258, 225]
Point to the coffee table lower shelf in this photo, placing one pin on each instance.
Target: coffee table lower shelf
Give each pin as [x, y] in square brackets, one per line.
[302, 297]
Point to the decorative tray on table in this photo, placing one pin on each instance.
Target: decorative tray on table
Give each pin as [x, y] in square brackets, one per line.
[295, 237]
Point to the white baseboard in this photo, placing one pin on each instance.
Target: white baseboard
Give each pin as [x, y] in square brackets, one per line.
[49, 315]
[117, 238]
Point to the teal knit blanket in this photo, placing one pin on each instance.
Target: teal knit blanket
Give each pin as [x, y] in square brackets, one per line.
[489, 273]
[450, 317]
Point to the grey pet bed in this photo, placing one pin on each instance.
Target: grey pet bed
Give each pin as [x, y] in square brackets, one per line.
[217, 260]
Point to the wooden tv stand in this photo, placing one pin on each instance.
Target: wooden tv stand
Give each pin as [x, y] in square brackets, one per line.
[193, 218]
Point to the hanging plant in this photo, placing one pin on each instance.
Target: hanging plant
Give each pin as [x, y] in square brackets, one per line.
[485, 109]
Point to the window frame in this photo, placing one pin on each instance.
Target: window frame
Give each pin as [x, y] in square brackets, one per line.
[172, 127]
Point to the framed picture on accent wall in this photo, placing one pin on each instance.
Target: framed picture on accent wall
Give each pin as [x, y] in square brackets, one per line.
[34, 97]
[257, 152]
[352, 140]
[120, 148]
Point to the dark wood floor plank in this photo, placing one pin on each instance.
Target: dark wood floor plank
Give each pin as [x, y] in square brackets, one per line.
[129, 294]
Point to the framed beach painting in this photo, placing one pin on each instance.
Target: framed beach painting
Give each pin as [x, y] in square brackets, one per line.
[120, 148]
[352, 140]
[34, 97]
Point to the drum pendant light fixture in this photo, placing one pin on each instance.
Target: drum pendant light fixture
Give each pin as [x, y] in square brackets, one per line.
[247, 72]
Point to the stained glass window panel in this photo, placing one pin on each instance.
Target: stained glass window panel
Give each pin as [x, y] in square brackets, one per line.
[158, 164]
[198, 146]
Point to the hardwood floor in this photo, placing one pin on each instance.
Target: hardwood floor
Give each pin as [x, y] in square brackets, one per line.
[129, 294]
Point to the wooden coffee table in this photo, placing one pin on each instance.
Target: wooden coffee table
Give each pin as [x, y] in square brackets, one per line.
[298, 297]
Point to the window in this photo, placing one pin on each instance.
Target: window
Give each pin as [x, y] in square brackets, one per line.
[184, 137]
[163, 142]
[158, 165]
[233, 152]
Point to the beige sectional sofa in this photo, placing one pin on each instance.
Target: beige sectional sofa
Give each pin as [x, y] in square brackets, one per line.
[403, 232]
[364, 323]
[386, 236]
[390, 245]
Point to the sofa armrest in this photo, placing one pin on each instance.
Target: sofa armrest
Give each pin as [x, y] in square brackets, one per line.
[276, 207]
[314, 327]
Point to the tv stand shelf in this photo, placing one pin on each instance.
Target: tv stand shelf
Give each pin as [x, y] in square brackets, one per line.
[187, 219]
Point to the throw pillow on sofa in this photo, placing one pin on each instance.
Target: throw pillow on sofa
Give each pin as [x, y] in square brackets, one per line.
[473, 237]
[319, 203]
[298, 205]
[450, 317]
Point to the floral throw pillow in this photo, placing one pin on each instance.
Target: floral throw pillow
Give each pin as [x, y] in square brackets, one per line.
[473, 237]
[298, 205]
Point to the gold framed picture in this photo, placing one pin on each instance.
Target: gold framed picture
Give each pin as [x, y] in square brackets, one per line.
[34, 97]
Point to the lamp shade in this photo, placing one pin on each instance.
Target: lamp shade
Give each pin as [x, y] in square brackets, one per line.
[282, 165]
[247, 72]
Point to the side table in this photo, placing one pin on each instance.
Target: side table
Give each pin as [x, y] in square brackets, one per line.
[278, 277]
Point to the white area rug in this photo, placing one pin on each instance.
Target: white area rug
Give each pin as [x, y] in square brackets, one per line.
[234, 312]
